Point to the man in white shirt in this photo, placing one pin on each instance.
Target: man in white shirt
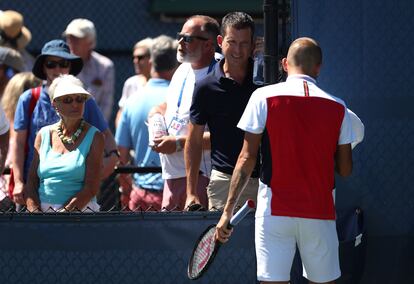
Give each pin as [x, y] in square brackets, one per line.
[98, 73]
[196, 51]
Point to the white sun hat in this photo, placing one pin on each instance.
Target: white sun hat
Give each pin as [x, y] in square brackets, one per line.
[67, 85]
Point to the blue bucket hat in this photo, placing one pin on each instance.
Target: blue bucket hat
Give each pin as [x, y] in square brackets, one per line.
[57, 48]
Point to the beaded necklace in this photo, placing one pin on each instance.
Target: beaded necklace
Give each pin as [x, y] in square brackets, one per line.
[74, 137]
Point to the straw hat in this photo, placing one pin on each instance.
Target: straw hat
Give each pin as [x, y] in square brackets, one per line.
[12, 30]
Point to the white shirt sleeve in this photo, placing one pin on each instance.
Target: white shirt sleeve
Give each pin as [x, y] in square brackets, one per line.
[347, 134]
[254, 116]
[357, 127]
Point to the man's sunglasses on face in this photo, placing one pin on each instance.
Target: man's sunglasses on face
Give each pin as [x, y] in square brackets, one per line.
[189, 38]
[140, 57]
[50, 64]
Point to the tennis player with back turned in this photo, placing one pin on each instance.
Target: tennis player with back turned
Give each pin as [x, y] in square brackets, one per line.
[305, 134]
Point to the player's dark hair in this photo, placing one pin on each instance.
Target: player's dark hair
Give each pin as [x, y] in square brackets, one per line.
[237, 20]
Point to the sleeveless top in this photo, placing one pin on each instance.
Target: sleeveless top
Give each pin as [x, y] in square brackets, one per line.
[61, 176]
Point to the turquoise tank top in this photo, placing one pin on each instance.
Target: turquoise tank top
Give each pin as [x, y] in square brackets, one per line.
[61, 176]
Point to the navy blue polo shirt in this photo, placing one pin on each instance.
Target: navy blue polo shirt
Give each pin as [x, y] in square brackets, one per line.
[219, 102]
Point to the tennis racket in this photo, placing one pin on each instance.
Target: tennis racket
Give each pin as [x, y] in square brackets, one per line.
[206, 246]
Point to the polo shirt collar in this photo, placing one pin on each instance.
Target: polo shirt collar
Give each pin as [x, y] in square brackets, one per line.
[218, 70]
[219, 74]
[301, 77]
[157, 82]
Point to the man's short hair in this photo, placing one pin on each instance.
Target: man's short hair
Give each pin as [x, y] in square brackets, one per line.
[163, 53]
[144, 43]
[210, 26]
[305, 53]
[237, 20]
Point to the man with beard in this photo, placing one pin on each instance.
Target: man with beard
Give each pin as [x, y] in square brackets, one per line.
[196, 52]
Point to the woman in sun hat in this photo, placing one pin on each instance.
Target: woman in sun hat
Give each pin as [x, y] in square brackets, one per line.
[15, 35]
[54, 60]
[68, 154]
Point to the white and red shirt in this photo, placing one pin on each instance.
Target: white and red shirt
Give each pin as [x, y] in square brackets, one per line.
[302, 126]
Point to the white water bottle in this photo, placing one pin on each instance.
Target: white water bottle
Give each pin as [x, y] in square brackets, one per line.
[156, 128]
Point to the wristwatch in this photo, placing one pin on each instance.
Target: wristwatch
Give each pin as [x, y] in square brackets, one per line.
[178, 147]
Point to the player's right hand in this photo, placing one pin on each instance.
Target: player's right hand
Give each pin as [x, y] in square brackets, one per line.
[223, 233]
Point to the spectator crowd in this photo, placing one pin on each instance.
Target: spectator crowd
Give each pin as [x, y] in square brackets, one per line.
[195, 87]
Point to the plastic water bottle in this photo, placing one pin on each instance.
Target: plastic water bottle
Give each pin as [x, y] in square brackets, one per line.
[258, 77]
[156, 128]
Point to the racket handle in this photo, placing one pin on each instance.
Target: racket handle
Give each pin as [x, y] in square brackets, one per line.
[247, 207]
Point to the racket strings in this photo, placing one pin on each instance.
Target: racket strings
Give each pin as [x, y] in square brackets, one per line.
[205, 249]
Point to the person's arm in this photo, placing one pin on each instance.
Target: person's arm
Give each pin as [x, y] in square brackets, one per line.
[93, 169]
[343, 160]
[32, 186]
[111, 154]
[125, 180]
[161, 108]
[239, 179]
[168, 144]
[118, 116]
[93, 115]
[192, 156]
[18, 156]
[4, 148]
[343, 154]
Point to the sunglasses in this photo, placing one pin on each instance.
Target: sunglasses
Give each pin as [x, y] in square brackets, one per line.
[189, 38]
[68, 100]
[140, 57]
[53, 64]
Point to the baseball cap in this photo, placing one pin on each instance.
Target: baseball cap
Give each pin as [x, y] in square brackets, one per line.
[80, 28]
[11, 58]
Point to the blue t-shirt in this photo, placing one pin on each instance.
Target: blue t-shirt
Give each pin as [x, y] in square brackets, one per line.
[132, 132]
[61, 176]
[45, 114]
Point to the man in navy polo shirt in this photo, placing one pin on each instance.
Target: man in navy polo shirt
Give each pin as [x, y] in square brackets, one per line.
[219, 101]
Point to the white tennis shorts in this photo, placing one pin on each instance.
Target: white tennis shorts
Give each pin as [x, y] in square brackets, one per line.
[276, 239]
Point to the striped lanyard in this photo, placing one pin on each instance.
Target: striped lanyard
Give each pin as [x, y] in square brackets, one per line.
[176, 117]
[306, 88]
[210, 68]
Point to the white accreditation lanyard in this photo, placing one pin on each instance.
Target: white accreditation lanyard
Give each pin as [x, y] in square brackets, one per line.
[178, 123]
